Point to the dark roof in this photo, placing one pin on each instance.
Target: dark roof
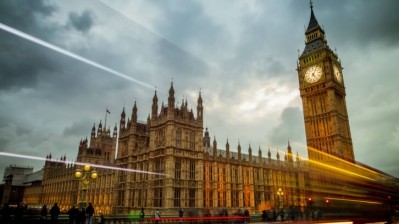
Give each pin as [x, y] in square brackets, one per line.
[313, 21]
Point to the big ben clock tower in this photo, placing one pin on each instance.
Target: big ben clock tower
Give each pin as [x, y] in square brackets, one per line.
[322, 90]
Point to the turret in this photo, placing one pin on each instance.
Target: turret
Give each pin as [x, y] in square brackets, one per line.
[200, 109]
[115, 131]
[260, 155]
[250, 153]
[154, 111]
[206, 141]
[134, 114]
[289, 153]
[99, 129]
[269, 155]
[93, 131]
[214, 146]
[122, 123]
[239, 151]
[171, 98]
[227, 150]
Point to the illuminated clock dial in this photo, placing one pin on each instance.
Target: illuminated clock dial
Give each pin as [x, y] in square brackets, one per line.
[337, 73]
[313, 74]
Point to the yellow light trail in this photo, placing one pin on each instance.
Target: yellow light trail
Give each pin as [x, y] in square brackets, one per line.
[70, 54]
[340, 160]
[15, 155]
[353, 200]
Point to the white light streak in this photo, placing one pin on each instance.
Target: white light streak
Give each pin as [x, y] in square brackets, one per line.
[70, 54]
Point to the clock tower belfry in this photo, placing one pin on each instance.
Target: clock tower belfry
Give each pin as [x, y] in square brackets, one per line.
[322, 90]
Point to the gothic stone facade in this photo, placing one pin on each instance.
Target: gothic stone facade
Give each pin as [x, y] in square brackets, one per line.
[174, 166]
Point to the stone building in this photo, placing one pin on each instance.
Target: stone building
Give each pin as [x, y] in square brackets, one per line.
[169, 163]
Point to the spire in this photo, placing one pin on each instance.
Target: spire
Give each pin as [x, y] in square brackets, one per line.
[214, 142]
[214, 146]
[171, 98]
[154, 111]
[200, 109]
[206, 142]
[227, 150]
[315, 36]
[297, 157]
[122, 122]
[93, 131]
[278, 155]
[134, 113]
[99, 129]
[269, 154]
[115, 131]
[239, 151]
[289, 153]
[313, 21]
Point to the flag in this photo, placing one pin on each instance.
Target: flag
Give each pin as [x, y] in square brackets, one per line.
[108, 111]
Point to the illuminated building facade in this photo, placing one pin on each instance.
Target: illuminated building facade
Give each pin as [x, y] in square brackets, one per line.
[192, 173]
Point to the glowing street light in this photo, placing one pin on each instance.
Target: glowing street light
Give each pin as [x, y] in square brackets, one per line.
[280, 194]
[85, 176]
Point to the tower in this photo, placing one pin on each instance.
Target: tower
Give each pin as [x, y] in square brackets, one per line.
[322, 90]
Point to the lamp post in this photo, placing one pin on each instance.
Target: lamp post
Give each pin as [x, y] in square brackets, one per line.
[85, 176]
[280, 194]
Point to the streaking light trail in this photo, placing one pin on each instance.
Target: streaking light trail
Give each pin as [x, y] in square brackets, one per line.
[70, 54]
[15, 155]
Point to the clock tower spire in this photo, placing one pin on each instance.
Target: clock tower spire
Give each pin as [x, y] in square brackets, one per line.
[322, 90]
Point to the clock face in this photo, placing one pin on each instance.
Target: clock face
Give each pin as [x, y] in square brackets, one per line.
[337, 73]
[313, 74]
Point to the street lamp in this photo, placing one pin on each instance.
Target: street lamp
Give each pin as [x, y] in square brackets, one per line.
[85, 176]
[280, 194]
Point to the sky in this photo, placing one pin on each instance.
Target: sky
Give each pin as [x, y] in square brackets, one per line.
[62, 63]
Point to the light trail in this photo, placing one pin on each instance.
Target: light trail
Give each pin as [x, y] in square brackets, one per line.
[15, 155]
[70, 54]
[340, 160]
[354, 200]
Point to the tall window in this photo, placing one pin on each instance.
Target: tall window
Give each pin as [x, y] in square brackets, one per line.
[177, 198]
[234, 198]
[158, 197]
[178, 137]
[192, 170]
[178, 168]
[191, 199]
[192, 140]
[159, 168]
[121, 195]
[210, 173]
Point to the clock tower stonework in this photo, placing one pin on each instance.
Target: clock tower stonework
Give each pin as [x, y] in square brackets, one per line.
[322, 90]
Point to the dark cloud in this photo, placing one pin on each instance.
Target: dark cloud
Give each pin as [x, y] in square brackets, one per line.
[82, 22]
[359, 22]
[23, 131]
[177, 63]
[78, 128]
[27, 15]
[291, 127]
[20, 61]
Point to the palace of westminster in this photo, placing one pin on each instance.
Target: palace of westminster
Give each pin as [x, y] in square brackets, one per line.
[177, 165]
